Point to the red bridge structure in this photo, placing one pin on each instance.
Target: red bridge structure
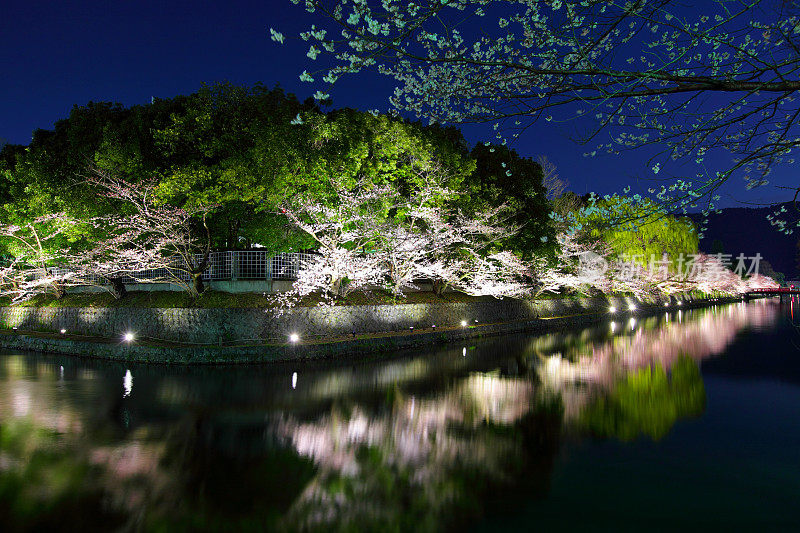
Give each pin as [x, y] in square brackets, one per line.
[776, 291]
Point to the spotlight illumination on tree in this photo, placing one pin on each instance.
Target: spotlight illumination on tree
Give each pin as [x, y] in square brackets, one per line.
[361, 245]
[154, 236]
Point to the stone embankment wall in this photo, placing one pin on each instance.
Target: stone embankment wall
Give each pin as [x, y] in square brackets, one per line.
[231, 326]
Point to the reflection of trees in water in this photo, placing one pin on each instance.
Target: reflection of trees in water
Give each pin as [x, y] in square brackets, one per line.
[431, 444]
[423, 462]
[647, 402]
[580, 375]
[215, 487]
[47, 481]
[380, 468]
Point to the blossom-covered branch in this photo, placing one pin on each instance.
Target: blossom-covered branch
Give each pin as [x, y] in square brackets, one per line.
[149, 235]
[721, 77]
[371, 235]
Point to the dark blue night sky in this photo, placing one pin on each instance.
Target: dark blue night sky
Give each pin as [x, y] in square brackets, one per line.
[57, 54]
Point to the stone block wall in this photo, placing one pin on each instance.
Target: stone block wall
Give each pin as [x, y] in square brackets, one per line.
[210, 326]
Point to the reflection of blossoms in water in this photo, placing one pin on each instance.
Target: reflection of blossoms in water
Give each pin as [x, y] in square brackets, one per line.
[414, 446]
[422, 443]
[416, 426]
[601, 364]
[705, 335]
[22, 399]
[411, 443]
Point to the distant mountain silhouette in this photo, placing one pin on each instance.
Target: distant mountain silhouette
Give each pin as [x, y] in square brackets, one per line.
[746, 230]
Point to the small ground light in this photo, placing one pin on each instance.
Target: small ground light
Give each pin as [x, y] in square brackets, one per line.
[412, 329]
[14, 328]
[129, 337]
[476, 320]
[433, 326]
[612, 309]
[294, 337]
[666, 304]
[463, 323]
[632, 307]
[63, 331]
[680, 303]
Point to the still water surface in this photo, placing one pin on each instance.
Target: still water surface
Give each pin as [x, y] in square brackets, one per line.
[687, 420]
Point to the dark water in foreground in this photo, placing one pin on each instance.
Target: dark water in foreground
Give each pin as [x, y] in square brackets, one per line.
[683, 421]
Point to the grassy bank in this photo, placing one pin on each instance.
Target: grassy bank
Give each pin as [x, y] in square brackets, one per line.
[215, 299]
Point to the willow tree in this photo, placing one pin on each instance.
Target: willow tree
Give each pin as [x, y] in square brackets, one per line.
[691, 82]
[636, 229]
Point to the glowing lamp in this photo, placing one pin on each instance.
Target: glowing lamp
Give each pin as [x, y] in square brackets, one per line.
[129, 337]
[612, 309]
[632, 307]
[63, 331]
[463, 323]
[294, 337]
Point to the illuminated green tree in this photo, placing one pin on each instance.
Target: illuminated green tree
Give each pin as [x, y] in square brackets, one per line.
[225, 147]
[636, 228]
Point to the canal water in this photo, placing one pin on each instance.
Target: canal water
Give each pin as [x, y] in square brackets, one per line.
[685, 420]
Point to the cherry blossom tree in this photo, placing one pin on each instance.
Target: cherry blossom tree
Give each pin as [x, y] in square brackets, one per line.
[111, 262]
[339, 271]
[689, 81]
[459, 248]
[150, 239]
[36, 248]
[344, 228]
[759, 281]
[581, 265]
[372, 235]
[501, 274]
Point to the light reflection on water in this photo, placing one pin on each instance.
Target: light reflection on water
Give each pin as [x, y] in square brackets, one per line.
[415, 441]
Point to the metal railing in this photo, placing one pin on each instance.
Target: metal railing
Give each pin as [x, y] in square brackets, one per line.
[222, 266]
